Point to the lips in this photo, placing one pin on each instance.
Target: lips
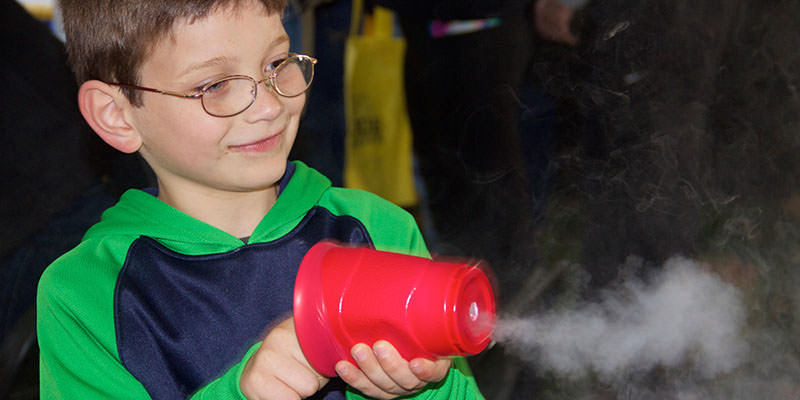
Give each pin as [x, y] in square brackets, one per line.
[259, 146]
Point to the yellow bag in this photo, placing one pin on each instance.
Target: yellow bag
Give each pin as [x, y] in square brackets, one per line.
[378, 132]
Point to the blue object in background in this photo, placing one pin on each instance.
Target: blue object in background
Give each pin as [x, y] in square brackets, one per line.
[320, 139]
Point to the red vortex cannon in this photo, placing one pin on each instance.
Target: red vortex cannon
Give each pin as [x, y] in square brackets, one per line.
[425, 308]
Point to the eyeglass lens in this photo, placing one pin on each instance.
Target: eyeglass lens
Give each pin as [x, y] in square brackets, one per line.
[232, 95]
[293, 76]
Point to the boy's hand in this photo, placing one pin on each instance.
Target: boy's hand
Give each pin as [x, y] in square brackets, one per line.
[278, 369]
[382, 373]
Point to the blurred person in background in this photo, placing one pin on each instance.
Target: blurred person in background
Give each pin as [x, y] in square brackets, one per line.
[57, 178]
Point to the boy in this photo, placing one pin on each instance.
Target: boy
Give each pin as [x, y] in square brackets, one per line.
[185, 290]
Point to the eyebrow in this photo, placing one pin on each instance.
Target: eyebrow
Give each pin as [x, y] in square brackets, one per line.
[279, 40]
[222, 60]
[204, 64]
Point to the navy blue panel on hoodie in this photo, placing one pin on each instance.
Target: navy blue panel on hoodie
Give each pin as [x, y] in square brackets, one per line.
[171, 308]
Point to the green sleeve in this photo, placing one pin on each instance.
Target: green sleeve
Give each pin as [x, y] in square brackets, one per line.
[459, 384]
[390, 227]
[77, 337]
[75, 329]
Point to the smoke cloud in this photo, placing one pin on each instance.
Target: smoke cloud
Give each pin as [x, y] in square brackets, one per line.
[681, 333]
[683, 316]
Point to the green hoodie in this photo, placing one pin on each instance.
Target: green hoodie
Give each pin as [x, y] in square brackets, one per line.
[156, 304]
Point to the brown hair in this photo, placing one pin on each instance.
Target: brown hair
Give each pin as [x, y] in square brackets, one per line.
[108, 40]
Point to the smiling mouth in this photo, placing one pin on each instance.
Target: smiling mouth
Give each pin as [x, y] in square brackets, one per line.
[259, 146]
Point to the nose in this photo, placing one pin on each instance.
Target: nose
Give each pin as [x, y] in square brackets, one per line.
[267, 105]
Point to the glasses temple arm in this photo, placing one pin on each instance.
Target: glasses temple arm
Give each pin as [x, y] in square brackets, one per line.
[176, 94]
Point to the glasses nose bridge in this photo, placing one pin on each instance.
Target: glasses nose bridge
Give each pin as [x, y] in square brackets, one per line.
[268, 81]
[269, 84]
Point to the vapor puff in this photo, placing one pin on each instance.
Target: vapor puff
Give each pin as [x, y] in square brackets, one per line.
[683, 317]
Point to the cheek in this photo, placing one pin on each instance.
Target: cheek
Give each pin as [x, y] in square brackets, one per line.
[186, 120]
[295, 105]
[295, 109]
[182, 133]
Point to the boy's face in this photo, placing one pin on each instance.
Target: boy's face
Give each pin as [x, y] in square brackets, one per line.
[194, 152]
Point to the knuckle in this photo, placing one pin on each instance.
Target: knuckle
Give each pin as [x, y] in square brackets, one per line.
[365, 389]
[308, 387]
[406, 383]
[409, 387]
[360, 383]
[396, 389]
[372, 390]
[392, 365]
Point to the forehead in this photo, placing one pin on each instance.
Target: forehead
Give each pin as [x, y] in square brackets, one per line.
[226, 35]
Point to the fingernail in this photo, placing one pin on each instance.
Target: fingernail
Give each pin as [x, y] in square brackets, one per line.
[415, 366]
[341, 370]
[381, 351]
[359, 354]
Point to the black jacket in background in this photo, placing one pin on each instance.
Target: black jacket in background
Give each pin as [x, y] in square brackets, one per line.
[452, 9]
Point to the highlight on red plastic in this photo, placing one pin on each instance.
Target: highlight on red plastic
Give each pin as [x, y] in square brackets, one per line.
[425, 308]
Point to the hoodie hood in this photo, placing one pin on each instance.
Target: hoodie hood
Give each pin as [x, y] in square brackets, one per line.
[139, 213]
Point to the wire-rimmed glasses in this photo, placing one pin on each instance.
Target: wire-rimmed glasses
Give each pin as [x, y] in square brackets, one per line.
[233, 94]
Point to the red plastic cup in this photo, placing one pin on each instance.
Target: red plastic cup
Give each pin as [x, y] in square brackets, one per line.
[425, 308]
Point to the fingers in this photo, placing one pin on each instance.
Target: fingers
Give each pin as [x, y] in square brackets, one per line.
[278, 369]
[383, 373]
[392, 365]
[429, 370]
[301, 378]
[274, 376]
[356, 378]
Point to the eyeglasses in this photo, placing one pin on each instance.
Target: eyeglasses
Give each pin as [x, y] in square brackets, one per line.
[233, 94]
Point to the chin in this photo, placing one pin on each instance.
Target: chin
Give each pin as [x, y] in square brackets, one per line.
[269, 176]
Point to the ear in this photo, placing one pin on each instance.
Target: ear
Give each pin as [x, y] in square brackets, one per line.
[103, 107]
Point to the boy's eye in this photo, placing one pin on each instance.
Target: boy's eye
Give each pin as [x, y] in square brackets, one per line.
[216, 86]
[273, 65]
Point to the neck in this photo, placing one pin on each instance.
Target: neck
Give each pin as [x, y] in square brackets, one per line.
[237, 213]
